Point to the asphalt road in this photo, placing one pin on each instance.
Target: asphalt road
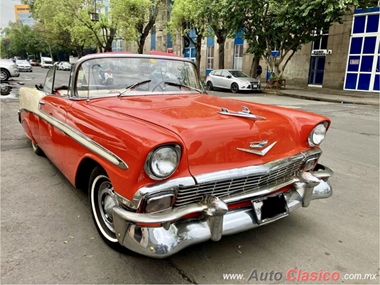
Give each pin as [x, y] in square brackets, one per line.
[48, 236]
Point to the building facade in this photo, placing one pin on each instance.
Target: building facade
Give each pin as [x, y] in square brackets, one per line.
[347, 56]
[23, 13]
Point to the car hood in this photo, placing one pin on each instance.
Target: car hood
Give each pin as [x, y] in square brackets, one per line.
[249, 79]
[212, 140]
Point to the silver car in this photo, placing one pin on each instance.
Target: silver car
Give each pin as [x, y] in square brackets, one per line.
[8, 69]
[232, 79]
[23, 65]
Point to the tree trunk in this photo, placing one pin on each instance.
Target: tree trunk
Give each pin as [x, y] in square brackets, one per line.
[221, 40]
[141, 44]
[198, 53]
[254, 65]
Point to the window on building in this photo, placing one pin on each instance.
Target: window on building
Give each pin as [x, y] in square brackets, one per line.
[210, 57]
[363, 62]
[238, 57]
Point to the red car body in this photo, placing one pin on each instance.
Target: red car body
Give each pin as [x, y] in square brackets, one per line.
[168, 165]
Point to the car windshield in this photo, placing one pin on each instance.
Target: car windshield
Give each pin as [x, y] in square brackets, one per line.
[238, 73]
[135, 75]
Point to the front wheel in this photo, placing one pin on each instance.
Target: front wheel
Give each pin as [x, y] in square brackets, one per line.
[36, 149]
[234, 88]
[102, 201]
[4, 75]
[209, 85]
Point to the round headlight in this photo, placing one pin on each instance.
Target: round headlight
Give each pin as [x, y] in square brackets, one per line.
[162, 162]
[317, 135]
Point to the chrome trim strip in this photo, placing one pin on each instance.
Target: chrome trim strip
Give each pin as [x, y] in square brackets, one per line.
[162, 217]
[82, 139]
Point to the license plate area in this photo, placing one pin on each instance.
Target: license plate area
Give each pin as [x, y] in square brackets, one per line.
[269, 209]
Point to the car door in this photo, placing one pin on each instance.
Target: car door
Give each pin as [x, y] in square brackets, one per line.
[53, 108]
[225, 79]
[216, 78]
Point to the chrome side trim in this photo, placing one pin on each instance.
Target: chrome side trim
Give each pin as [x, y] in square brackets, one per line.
[82, 139]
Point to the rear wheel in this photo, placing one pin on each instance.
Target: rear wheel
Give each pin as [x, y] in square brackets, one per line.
[209, 85]
[234, 88]
[102, 201]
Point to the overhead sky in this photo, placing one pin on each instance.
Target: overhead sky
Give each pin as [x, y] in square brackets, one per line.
[7, 11]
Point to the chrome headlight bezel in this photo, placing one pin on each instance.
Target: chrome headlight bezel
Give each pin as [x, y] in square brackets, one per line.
[318, 134]
[165, 154]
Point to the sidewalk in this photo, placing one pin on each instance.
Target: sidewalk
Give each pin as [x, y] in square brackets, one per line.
[328, 95]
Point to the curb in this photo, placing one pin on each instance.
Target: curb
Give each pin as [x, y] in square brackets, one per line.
[321, 99]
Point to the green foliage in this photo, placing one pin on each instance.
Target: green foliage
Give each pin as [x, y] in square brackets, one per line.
[135, 18]
[283, 25]
[187, 15]
[68, 22]
[21, 40]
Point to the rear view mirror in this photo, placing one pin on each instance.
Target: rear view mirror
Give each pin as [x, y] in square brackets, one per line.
[229, 76]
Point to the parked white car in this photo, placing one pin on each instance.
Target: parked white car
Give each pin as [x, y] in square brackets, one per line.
[8, 69]
[64, 65]
[24, 65]
[46, 62]
[232, 79]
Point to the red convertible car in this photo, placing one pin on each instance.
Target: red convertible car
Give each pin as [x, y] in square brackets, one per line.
[165, 164]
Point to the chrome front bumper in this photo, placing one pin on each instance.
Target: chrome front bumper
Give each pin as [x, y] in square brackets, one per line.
[175, 233]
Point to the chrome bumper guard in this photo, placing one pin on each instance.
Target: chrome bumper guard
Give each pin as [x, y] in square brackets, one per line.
[175, 233]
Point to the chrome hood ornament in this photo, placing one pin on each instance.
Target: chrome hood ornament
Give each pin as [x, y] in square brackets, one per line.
[245, 113]
[258, 145]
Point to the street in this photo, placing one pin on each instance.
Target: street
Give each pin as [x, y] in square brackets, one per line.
[48, 236]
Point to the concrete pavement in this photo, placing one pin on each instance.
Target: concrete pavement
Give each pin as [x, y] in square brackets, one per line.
[328, 95]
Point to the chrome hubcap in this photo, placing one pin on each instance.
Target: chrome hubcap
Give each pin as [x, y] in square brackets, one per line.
[3, 75]
[106, 203]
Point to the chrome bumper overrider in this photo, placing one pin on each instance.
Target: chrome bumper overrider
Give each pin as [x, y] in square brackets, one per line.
[176, 233]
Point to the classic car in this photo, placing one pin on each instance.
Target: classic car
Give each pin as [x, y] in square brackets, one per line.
[167, 165]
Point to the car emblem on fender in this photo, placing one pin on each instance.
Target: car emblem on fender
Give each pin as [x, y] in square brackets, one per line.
[258, 145]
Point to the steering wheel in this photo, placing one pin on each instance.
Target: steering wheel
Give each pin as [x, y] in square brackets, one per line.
[159, 85]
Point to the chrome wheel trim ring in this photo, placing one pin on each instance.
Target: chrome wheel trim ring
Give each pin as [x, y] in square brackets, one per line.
[95, 204]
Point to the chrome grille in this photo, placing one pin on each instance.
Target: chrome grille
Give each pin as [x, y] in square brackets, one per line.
[253, 182]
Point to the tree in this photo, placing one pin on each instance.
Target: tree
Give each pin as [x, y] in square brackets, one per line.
[142, 15]
[217, 15]
[283, 25]
[71, 18]
[20, 40]
[188, 16]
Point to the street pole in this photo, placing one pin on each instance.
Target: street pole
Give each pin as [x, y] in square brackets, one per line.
[51, 55]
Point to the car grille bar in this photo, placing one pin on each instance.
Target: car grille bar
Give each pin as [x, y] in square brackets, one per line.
[274, 174]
